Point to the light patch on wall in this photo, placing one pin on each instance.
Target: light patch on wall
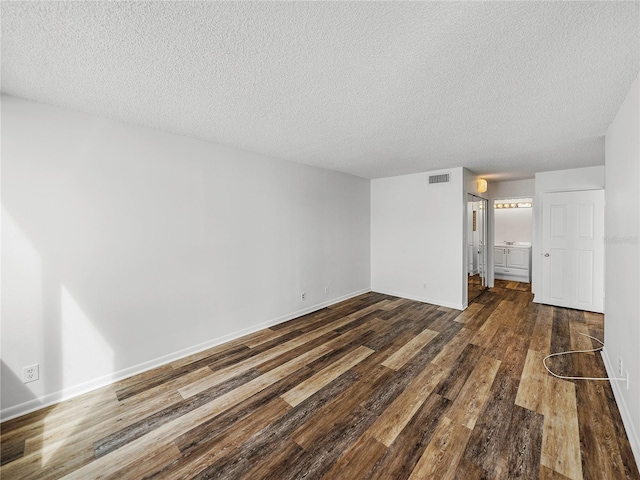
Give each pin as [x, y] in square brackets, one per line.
[85, 353]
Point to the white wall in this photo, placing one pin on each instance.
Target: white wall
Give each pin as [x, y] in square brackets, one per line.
[125, 247]
[622, 267]
[513, 224]
[588, 178]
[513, 189]
[417, 237]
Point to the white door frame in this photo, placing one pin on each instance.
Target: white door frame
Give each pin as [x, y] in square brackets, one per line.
[572, 232]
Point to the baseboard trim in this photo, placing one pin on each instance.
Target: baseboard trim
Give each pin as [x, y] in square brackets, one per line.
[71, 392]
[418, 299]
[632, 433]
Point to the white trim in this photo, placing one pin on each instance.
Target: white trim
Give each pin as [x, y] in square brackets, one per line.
[632, 433]
[418, 299]
[68, 393]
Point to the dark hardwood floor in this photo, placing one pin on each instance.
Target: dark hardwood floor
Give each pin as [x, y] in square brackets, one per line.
[375, 387]
[474, 286]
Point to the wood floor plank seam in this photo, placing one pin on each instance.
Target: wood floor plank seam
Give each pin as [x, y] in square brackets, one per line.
[410, 349]
[393, 419]
[307, 388]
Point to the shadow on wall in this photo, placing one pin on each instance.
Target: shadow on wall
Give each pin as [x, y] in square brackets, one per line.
[12, 383]
[13, 447]
[43, 323]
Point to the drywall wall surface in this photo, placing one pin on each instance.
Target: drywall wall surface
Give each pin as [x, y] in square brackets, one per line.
[417, 237]
[588, 178]
[622, 265]
[124, 247]
[513, 225]
[513, 189]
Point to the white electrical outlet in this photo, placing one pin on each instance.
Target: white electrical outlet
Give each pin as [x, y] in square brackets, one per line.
[31, 373]
[424, 285]
[326, 290]
[620, 370]
[303, 296]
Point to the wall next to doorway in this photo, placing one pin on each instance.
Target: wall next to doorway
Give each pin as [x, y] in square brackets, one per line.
[514, 188]
[417, 237]
[622, 260]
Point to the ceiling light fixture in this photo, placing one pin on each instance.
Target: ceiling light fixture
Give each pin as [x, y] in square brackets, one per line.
[482, 185]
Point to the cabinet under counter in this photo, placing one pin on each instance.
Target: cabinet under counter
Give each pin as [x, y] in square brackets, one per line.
[512, 263]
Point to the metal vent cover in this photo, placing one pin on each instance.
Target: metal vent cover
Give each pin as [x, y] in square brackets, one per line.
[442, 178]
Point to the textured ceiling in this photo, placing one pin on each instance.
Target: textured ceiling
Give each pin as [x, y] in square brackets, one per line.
[373, 89]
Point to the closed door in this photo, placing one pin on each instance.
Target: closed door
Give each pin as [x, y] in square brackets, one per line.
[573, 250]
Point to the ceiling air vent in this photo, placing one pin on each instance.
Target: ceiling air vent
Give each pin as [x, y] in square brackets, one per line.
[443, 178]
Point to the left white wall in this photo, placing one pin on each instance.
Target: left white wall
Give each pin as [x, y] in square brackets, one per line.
[125, 247]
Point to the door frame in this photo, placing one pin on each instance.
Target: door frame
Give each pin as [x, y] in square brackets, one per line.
[534, 200]
[536, 241]
[599, 231]
[488, 256]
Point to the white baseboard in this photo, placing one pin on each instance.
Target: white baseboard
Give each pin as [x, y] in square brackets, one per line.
[418, 299]
[70, 392]
[617, 386]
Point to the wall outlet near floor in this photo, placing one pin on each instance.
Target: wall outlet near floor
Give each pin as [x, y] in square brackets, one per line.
[620, 366]
[424, 284]
[326, 290]
[31, 373]
[303, 296]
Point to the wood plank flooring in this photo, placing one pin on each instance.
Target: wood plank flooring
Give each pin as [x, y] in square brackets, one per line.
[376, 387]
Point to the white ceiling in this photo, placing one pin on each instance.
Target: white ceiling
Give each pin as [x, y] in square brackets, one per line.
[372, 89]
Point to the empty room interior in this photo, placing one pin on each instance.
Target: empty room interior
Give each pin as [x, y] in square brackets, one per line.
[323, 240]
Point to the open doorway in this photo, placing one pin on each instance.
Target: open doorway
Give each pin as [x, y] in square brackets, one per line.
[513, 233]
[476, 246]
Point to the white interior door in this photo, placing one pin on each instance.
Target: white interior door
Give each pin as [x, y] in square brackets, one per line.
[573, 250]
